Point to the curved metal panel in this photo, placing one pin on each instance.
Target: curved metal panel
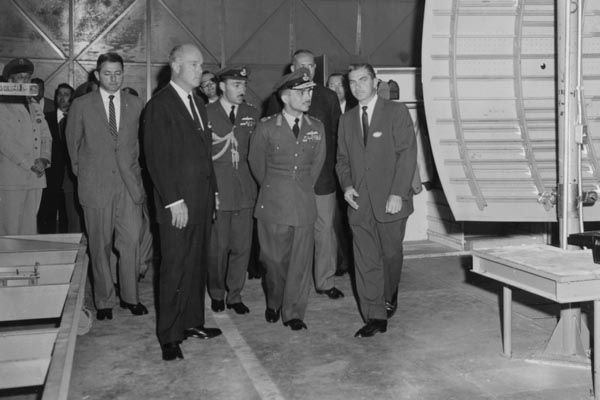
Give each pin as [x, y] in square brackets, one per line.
[488, 72]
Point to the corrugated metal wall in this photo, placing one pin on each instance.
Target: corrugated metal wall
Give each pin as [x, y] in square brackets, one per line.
[64, 38]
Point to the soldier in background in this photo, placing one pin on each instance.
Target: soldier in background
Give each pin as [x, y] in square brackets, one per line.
[233, 122]
[25, 153]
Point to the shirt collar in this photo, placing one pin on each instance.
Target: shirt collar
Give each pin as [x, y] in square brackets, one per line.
[370, 104]
[182, 93]
[105, 95]
[59, 114]
[291, 119]
[226, 104]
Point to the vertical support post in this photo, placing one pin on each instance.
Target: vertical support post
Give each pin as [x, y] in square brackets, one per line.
[148, 49]
[507, 321]
[596, 358]
[71, 74]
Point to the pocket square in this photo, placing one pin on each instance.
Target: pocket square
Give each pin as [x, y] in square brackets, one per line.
[377, 134]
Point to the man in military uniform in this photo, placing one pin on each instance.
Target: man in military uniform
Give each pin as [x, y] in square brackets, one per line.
[25, 153]
[286, 156]
[233, 122]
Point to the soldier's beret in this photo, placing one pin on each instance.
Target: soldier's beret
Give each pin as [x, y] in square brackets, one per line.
[299, 79]
[234, 73]
[16, 66]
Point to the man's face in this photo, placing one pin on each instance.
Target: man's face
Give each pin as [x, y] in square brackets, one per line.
[21, 77]
[110, 76]
[336, 83]
[208, 85]
[304, 60]
[63, 99]
[362, 85]
[234, 90]
[297, 100]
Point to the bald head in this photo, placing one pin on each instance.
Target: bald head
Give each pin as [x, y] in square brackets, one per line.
[186, 66]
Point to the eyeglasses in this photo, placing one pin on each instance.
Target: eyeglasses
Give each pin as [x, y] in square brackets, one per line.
[206, 84]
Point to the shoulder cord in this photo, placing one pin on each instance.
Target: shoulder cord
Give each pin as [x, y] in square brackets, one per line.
[229, 140]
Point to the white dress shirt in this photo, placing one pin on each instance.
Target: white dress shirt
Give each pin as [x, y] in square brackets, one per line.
[227, 106]
[291, 120]
[184, 97]
[370, 107]
[117, 102]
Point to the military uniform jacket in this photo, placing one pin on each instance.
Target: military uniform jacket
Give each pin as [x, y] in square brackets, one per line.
[99, 160]
[287, 169]
[385, 166]
[237, 188]
[24, 137]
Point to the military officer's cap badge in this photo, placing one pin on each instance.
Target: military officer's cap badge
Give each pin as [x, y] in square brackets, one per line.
[297, 80]
[240, 73]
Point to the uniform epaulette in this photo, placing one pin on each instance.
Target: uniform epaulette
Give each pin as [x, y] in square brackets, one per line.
[315, 118]
[267, 118]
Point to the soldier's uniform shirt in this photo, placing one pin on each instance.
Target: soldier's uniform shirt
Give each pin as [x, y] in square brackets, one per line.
[232, 230]
[287, 169]
[24, 137]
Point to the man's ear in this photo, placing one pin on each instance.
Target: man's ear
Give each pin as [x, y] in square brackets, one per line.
[222, 86]
[292, 67]
[97, 75]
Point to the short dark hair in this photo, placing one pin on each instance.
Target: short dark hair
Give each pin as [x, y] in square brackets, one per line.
[109, 57]
[64, 86]
[38, 81]
[335, 74]
[367, 66]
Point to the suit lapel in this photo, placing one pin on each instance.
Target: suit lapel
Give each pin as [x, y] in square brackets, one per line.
[99, 105]
[182, 109]
[376, 117]
[123, 111]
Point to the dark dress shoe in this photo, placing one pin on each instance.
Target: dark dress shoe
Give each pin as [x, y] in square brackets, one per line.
[136, 309]
[271, 315]
[217, 305]
[201, 332]
[239, 308]
[295, 324]
[372, 327]
[171, 351]
[333, 293]
[104, 313]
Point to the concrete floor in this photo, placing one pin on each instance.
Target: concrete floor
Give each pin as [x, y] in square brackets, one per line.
[443, 343]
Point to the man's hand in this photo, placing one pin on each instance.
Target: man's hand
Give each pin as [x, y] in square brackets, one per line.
[179, 215]
[393, 204]
[350, 196]
[39, 166]
[217, 203]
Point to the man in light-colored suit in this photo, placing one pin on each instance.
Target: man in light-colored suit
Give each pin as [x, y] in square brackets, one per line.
[102, 138]
[376, 161]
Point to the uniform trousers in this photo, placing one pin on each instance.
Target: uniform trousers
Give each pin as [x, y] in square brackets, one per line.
[18, 211]
[378, 260]
[121, 218]
[286, 253]
[52, 209]
[325, 242]
[231, 242]
[182, 279]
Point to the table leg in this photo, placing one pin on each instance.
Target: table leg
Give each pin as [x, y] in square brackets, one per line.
[507, 320]
[596, 352]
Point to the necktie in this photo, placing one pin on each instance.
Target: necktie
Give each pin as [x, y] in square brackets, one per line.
[194, 113]
[61, 127]
[112, 116]
[232, 115]
[296, 128]
[365, 124]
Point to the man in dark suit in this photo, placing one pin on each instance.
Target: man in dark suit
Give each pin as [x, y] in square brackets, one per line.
[178, 145]
[286, 155]
[53, 206]
[233, 122]
[325, 107]
[376, 162]
[338, 82]
[102, 138]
